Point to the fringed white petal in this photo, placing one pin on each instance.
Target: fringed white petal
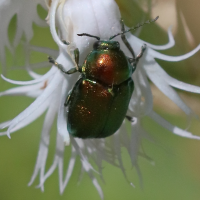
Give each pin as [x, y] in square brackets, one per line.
[4, 124]
[96, 184]
[53, 85]
[170, 127]
[69, 170]
[47, 51]
[99, 150]
[21, 90]
[135, 102]
[47, 174]
[23, 22]
[106, 150]
[174, 82]
[3, 133]
[62, 115]
[63, 31]
[141, 102]
[33, 74]
[93, 179]
[52, 23]
[58, 160]
[81, 173]
[145, 90]
[150, 160]
[60, 163]
[139, 175]
[8, 9]
[38, 65]
[29, 67]
[5, 18]
[44, 143]
[170, 43]
[161, 56]
[156, 78]
[135, 140]
[52, 71]
[179, 84]
[95, 149]
[37, 113]
[34, 94]
[78, 145]
[117, 149]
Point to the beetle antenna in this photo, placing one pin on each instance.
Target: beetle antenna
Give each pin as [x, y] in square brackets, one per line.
[86, 34]
[134, 28]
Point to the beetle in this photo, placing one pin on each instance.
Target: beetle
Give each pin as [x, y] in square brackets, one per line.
[98, 102]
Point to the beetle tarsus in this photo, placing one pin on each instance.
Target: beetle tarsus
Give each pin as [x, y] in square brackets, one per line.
[65, 42]
[130, 119]
[136, 60]
[143, 48]
[71, 71]
[51, 60]
[59, 66]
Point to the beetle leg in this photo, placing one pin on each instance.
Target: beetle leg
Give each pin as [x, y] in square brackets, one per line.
[76, 57]
[65, 42]
[68, 98]
[125, 40]
[71, 71]
[131, 60]
[130, 119]
[143, 48]
[135, 61]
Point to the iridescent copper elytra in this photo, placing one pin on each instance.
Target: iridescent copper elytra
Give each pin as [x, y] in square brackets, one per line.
[98, 102]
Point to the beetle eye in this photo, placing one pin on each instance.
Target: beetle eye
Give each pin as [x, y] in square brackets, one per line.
[96, 45]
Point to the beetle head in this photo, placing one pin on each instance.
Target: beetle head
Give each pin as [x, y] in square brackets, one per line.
[106, 45]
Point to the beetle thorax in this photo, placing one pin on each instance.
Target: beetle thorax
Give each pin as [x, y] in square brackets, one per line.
[107, 63]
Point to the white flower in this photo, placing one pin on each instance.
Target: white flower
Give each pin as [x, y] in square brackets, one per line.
[100, 18]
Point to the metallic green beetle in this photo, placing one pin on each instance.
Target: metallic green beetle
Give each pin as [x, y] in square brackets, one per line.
[98, 103]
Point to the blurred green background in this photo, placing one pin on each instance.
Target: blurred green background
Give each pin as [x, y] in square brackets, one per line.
[176, 173]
